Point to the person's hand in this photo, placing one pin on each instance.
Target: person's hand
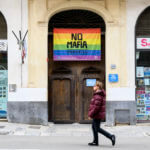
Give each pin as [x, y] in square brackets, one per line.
[89, 118]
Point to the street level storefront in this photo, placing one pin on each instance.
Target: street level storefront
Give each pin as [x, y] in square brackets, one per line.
[3, 67]
[13, 75]
[65, 58]
[143, 66]
[70, 45]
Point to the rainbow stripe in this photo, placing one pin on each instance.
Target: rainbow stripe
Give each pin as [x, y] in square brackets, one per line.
[77, 44]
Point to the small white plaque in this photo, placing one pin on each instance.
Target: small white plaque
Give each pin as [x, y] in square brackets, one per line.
[3, 45]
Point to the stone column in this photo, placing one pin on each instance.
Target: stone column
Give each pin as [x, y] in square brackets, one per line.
[117, 8]
[38, 30]
[112, 52]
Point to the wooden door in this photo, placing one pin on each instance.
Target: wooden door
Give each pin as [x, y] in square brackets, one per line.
[62, 99]
[86, 95]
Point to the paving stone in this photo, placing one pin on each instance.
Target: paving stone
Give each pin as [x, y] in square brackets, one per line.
[32, 133]
[1, 127]
[34, 127]
[5, 132]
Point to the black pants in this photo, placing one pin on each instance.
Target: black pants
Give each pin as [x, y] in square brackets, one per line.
[96, 129]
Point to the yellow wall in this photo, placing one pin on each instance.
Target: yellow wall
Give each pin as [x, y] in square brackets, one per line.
[112, 11]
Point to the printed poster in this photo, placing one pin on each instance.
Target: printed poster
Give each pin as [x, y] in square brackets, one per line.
[140, 96]
[147, 71]
[147, 96]
[147, 102]
[148, 108]
[146, 81]
[141, 111]
[140, 92]
[139, 72]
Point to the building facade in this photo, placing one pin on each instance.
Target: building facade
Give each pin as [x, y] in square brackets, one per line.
[13, 18]
[42, 89]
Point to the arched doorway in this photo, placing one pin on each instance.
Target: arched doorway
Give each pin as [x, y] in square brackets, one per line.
[142, 34]
[3, 67]
[69, 93]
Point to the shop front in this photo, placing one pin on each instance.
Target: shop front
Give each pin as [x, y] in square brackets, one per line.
[143, 66]
[71, 44]
[3, 68]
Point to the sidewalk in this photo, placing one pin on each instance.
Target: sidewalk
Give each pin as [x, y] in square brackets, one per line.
[76, 130]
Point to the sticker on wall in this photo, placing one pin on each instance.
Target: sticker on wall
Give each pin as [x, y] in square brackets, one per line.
[113, 77]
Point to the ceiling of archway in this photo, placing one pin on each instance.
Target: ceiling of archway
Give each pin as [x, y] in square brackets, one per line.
[3, 27]
[143, 23]
[76, 19]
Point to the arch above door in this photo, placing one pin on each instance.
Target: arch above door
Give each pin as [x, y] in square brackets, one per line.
[84, 5]
[3, 27]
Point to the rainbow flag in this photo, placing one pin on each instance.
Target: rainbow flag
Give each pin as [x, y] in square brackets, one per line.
[77, 44]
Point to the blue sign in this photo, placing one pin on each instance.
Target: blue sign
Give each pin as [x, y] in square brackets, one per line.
[113, 77]
[90, 82]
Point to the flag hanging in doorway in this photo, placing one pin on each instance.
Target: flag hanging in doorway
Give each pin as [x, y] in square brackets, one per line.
[77, 44]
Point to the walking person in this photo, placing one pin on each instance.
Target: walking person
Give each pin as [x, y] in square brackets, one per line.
[97, 113]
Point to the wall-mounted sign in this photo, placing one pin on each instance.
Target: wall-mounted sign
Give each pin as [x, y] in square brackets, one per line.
[143, 43]
[113, 77]
[3, 45]
[113, 66]
[12, 87]
[90, 82]
[77, 44]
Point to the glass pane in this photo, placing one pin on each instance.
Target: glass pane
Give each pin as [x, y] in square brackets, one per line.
[143, 85]
[3, 27]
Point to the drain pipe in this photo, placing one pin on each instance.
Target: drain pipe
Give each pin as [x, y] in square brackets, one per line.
[21, 44]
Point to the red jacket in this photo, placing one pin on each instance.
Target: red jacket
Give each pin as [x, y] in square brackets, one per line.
[97, 105]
